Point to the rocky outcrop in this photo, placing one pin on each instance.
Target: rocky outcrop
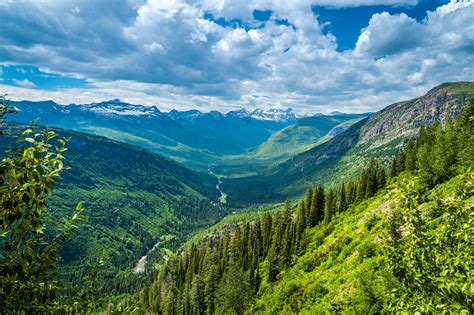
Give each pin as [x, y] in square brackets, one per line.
[405, 118]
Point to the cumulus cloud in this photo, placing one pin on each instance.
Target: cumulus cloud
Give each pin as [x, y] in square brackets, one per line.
[167, 52]
[390, 34]
[24, 83]
[356, 3]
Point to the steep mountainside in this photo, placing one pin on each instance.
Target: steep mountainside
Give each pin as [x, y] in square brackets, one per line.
[133, 199]
[379, 135]
[398, 243]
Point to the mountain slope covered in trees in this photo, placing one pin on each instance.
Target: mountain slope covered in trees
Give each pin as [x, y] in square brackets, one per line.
[133, 199]
[191, 137]
[395, 236]
[379, 136]
[306, 132]
[368, 246]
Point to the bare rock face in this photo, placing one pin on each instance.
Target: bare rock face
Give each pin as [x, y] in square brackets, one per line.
[405, 118]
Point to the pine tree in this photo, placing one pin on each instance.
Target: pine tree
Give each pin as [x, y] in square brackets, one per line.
[329, 211]
[197, 295]
[309, 200]
[371, 179]
[342, 199]
[233, 294]
[267, 226]
[362, 185]
[211, 280]
[318, 205]
[381, 177]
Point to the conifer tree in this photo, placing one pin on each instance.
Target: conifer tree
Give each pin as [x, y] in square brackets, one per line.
[197, 295]
[342, 199]
[233, 293]
[329, 211]
[317, 211]
[309, 200]
[362, 185]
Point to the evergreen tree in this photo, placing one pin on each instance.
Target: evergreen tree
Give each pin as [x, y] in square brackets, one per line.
[342, 199]
[317, 211]
[362, 185]
[197, 295]
[329, 211]
[309, 200]
[233, 293]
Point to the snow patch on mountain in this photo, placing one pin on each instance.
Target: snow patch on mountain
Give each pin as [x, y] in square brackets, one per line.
[118, 108]
[275, 114]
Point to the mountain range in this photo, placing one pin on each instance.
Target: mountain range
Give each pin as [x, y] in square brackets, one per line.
[145, 207]
[191, 137]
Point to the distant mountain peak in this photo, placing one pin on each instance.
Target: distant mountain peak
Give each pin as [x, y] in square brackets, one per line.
[116, 107]
[187, 114]
[275, 114]
[242, 113]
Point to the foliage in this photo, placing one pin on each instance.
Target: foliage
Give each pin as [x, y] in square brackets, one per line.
[135, 200]
[369, 245]
[29, 252]
[434, 259]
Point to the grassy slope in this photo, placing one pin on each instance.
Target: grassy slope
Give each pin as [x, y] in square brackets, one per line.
[282, 145]
[342, 257]
[307, 132]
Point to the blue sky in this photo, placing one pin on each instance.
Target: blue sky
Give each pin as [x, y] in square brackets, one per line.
[314, 56]
[347, 22]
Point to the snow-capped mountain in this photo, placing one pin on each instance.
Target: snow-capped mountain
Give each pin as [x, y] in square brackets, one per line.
[279, 115]
[241, 113]
[117, 107]
[187, 115]
[275, 114]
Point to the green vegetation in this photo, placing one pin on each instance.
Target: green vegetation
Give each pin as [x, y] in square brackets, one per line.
[379, 136]
[364, 247]
[29, 246]
[306, 133]
[392, 236]
[134, 200]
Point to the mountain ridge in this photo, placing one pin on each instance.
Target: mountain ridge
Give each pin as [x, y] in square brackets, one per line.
[190, 137]
[380, 135]
[120, 108]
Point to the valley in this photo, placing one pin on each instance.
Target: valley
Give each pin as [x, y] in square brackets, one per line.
[238, 143]
[146, 211]
[196, 157]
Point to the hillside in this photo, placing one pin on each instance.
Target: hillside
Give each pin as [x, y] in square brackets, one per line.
[374, 245]
[306, 132]
[133, 199]
[379, 135]
[345, 267]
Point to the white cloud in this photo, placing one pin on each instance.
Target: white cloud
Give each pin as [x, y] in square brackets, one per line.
[24, 83]
[356, 3]
[389, 34]
[165, 52]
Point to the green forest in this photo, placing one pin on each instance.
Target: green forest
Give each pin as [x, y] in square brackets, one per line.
[394, 237]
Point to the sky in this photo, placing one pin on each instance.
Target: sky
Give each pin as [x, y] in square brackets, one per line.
[312, 56]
